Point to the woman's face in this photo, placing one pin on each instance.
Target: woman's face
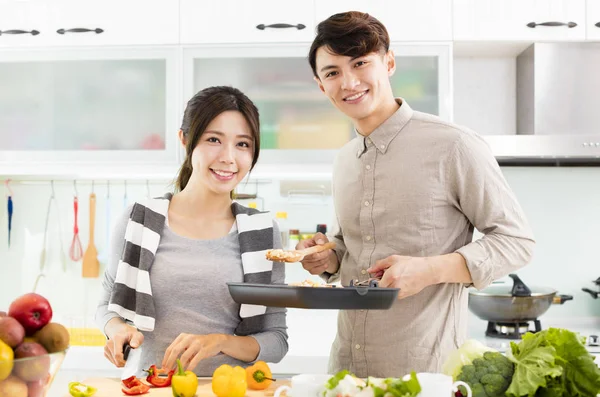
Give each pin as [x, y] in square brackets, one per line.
[224, 153]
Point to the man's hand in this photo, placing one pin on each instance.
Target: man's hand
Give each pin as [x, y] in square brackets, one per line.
[113, 349]
[321, 261]
[191, 349]
[410, 274]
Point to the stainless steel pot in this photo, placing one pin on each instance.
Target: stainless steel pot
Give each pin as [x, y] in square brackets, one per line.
[516, 303]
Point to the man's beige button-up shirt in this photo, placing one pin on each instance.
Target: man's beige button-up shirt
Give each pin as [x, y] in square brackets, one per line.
[417, 186]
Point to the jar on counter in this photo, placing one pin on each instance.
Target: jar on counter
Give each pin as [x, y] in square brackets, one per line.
[282, 222]
[294, 239]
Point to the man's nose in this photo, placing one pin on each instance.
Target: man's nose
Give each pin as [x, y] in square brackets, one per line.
[350, 81]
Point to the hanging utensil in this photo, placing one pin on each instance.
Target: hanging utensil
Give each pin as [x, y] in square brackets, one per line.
[63, 258]
[91, 266]
[10, 208]
[103, 256]
[75, 251]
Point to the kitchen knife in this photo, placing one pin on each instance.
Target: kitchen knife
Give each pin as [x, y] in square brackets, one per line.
[132, 361]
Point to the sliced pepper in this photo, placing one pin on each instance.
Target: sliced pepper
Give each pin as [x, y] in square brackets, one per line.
[259, 376]
[77, 389]
[134, 386]
[184, 383]
[155, 379]
[229, 381]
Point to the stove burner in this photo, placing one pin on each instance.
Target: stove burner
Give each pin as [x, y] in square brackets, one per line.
[511, 330]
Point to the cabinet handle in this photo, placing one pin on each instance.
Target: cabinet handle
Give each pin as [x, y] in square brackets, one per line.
[79, 30]
[597, 24]
[32, 32]
[569, 25]
[280, 26]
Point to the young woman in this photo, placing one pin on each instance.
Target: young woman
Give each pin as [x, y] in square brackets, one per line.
[164, 288]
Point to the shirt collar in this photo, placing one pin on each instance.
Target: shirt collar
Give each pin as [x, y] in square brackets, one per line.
[383, 135]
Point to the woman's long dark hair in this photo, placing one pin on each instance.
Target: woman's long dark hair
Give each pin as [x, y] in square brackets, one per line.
[202, 109]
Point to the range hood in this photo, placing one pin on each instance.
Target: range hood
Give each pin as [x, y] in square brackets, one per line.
[558, 107]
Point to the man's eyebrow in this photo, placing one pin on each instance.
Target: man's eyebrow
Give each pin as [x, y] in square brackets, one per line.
[328, 67]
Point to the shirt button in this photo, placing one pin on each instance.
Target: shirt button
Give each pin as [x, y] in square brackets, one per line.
[382, 147]
[357, 347]
[366, 203]
[363, 271]
[362, 310]
[368, 167]
[368, 238]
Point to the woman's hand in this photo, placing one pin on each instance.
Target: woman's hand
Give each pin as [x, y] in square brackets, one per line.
[113, 350]
[191, 349]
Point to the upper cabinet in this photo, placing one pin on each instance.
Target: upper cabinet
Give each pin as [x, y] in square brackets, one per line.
[405, 20]
[593, 20]
[88, 23]
[528, 20]
[257, 21]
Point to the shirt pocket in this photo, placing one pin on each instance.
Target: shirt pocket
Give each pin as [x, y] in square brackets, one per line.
[409, 223]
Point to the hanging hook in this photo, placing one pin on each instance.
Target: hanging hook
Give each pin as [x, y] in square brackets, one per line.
[147, 188]
[52, 187]
[7, 184]
[75, 188]
[92, 186]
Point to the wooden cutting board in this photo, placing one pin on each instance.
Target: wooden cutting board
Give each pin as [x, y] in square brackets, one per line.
[110, 387]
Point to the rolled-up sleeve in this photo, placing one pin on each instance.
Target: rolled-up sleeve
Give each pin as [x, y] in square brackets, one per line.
[479, 190]
[273, 341]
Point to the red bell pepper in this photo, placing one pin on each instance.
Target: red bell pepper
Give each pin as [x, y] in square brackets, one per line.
[156, 380]
[134, 386]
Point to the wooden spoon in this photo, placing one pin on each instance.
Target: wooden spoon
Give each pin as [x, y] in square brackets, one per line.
[279, 255]
[91, 266]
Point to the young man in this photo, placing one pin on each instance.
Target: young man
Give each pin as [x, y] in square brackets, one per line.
[408, 191]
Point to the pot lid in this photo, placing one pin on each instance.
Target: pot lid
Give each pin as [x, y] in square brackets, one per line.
[518, 289]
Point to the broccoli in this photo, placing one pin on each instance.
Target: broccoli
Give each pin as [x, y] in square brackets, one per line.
[488, 376]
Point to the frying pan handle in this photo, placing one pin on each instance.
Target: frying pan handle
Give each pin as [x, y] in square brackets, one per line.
[519, 288]
[595, 294]
[560, 299]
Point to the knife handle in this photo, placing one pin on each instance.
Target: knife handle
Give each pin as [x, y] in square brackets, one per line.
[126, 350]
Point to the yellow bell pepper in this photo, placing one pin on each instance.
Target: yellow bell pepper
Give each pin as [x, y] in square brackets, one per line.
[184, 384]
[6, 360]
[229, 382]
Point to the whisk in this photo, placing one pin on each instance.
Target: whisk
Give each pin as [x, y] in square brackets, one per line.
[75, 251]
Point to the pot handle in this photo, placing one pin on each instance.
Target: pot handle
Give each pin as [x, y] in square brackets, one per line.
[595, 294]
[519, 288]
[560, 299]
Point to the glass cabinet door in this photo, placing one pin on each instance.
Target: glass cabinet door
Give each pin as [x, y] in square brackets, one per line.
[297, 121]
[88, 105]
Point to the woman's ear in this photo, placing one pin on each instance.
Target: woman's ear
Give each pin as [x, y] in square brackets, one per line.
[182, 138]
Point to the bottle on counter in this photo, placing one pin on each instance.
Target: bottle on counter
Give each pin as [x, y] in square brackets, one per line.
[294, 239]
[322, 228]
[282, 222]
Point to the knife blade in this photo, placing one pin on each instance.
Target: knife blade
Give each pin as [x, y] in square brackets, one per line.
[132, 361]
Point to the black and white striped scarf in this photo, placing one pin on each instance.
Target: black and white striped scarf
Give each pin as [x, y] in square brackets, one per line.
[131, 296]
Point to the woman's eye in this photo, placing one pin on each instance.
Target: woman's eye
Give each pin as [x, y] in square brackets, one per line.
[244, 144]
[213, 139]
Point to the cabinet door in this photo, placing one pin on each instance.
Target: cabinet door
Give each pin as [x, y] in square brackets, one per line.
[88, 105]
[534, 20]
[114, 22]
[593, 20]
[405, 20]
[298, 123]
[258, 21]
[23, 23]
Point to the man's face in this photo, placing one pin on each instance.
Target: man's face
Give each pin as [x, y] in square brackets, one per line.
[356, 86]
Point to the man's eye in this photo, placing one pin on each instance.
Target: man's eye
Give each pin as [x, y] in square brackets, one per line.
[360, 63]
[330, 74]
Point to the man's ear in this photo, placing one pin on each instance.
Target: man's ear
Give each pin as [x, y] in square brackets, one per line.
[182, 138]
[318, 80]
[391, 63]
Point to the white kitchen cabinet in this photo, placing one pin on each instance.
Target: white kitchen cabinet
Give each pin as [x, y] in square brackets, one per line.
[257, 21]
[88, 23]
[101, 106]
[298, 123]
[593, 20]
[515, 20]
[405, 20]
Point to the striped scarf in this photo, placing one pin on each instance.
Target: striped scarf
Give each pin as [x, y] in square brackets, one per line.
[131, 296]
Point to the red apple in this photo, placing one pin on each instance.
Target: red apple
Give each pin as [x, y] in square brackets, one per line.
[33, 311]
[11, 331]
[35, 363]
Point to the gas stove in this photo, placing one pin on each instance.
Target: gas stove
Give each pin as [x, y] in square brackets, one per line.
[512, 330]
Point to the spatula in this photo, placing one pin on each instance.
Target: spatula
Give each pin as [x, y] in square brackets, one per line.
[291, 256]
[91, 266]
